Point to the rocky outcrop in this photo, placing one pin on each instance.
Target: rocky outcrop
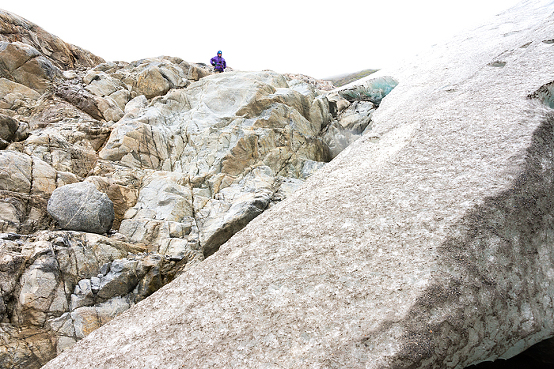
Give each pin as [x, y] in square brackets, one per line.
[17, 30]
[57, 287]
[183, 158]
[425, 244]
[184, 172]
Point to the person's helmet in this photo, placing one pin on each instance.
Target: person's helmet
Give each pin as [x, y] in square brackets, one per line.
[219, 52]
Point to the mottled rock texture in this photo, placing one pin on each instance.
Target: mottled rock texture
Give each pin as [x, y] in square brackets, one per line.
[425, 244]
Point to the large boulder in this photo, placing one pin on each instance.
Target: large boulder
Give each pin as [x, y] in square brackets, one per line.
[81, 207]
[426, 244]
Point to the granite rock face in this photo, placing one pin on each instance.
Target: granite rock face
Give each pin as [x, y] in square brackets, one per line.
[182, 158]
[424, 244]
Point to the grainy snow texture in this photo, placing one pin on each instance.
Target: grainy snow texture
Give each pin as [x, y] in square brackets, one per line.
[425, 244]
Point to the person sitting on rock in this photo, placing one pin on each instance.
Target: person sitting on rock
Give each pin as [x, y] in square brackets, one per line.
[218, 62]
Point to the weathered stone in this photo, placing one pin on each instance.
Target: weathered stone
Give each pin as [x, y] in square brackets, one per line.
[83, 294]
[149, 77]
[168, 195]
[38, 286]
[22, 132]
[193, 71]
[101, 84]
[25, 183]
[151, 83]
[122, 278]
[65, 178]
[60, 302]
[36, 279]
[15, 171]
[26, 348]
[12, 266]
[44, 178]
[134, 106]
[81, 98]
[157, 79]
[153, 280]
[109, 108]
[123, 197]
[155, 213]
[64, 330]
[70, 148]
[23, 64]
[121, 98]
[10, 89]
[88, 319]
[23, 213]
[217, 230]
[337, 103]
[81, 207]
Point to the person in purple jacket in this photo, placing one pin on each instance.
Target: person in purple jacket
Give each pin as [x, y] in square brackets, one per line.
[218, 62]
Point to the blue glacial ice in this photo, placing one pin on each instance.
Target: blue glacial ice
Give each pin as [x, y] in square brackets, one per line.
[373, 90]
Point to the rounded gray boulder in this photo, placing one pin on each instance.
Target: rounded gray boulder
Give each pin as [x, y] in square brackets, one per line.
[81, 207]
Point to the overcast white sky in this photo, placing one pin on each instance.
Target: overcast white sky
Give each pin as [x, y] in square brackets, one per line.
[317, 38]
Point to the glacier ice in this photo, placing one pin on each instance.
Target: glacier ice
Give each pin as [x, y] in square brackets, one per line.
[373, 90]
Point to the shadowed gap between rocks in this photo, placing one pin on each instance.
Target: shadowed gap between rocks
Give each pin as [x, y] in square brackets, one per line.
[539, 356]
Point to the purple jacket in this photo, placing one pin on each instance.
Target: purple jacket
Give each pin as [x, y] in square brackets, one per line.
[219, 63]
